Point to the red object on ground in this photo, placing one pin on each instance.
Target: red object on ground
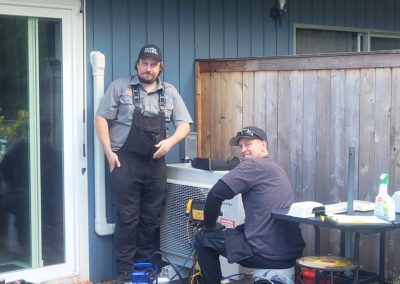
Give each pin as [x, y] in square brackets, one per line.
[307, 276]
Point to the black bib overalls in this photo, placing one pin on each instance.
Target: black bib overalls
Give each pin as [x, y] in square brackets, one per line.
[139, 186]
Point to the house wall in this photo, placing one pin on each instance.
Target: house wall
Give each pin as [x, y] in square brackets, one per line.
[200, 29]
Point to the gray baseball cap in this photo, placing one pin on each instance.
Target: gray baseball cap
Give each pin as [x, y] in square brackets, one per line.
[249, 132]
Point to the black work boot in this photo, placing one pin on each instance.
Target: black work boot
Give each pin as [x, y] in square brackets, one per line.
[124, 278]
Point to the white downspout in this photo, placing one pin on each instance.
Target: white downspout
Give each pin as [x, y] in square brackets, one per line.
[102, 228]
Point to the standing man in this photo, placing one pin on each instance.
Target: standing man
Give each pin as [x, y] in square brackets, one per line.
[262, 241]
[130, 125]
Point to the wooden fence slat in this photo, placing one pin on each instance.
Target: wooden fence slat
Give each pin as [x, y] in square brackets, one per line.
[338, 158]
[215, 114]
[271, 109]
[393, 256]
[310, 135]
[352, 123]
[323, 129]
[296, 135]
[202, 113]
[337, 135]
[309, 145]
[227, 112]
[237, 123]
[366, 175]
[395, 131]
[248, 99]
[383, 79]
[284, 103]
[382, 120]
[260, 100]
[366, 172]
[323, 142]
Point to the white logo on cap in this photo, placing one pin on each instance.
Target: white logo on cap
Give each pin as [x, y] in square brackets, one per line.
[150, 50]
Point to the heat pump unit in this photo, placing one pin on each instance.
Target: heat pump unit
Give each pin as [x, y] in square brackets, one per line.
[176, 236]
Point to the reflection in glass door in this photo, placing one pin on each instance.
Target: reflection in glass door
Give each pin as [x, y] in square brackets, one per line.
[31, 143]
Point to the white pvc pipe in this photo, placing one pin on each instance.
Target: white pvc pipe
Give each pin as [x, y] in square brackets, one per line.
[102, 228]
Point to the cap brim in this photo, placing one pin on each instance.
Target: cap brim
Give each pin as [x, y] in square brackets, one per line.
[235, 140]
[151, 56]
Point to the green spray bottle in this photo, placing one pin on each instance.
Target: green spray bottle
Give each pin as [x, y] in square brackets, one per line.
[384, 203]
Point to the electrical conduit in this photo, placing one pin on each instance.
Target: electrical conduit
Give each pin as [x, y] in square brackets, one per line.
[102, 228]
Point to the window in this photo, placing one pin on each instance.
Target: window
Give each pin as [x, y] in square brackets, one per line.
[322, 41]
[381, 42]
[316, 39]
[41, 99]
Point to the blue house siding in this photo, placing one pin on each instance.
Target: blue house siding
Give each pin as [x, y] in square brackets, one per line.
[100, 248]
[199, 29]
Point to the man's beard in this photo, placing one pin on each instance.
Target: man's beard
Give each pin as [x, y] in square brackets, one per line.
[146, 81]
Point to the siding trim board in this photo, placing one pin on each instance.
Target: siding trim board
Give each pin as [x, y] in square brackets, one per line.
[303, 62]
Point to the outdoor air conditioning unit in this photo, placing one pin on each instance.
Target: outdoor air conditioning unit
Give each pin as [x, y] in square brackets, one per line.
[176, 235]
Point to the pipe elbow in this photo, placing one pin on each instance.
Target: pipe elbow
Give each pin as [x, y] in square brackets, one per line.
[98, 62]
[102, 228]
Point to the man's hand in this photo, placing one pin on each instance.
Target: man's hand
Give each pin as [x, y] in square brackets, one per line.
[164, 146]
[113, 161]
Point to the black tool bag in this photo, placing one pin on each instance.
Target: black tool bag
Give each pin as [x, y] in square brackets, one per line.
[215, 165]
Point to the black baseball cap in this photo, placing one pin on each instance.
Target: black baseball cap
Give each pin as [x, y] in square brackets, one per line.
[150, 50]
[249, 132]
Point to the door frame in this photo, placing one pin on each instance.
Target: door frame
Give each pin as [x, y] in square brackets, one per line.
[74, 159]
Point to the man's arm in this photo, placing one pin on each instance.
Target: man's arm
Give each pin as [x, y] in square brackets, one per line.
[218, 193]
[103, 135]
[164, 146]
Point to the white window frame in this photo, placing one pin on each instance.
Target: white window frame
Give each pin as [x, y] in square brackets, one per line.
[363, 34]
[76, 265]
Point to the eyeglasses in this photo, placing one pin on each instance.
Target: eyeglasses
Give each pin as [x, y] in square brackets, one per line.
[247, 132]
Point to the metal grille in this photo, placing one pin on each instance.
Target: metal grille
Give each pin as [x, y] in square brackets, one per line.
[176, 236]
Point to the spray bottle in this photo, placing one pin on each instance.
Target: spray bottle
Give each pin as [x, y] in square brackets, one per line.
[384, 203]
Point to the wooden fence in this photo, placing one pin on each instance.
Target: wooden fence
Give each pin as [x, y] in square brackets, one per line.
[313, 109]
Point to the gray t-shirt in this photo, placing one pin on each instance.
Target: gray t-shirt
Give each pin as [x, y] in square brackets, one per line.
[117, 106]
[264, 186]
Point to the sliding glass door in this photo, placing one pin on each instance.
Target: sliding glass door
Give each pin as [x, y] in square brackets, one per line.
[31, 143]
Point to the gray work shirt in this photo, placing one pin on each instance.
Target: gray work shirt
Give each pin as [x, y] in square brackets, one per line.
[265, 186]
[117, 107]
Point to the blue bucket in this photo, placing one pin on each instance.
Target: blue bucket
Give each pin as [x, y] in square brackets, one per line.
[144, 273]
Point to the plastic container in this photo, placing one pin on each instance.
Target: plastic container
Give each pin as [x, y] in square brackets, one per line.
[384, 203]
[307, 276]
[144, 273]
[285, 275]
[396, 199]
